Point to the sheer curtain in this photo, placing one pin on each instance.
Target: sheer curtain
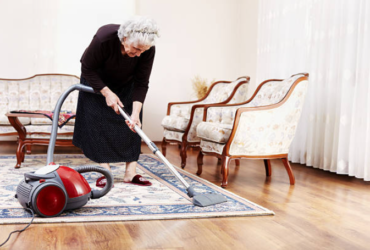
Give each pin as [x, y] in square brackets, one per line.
[329, 39]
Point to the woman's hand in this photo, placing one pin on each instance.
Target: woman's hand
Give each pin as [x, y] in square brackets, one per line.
[111, 99]
[135, 116]
[135, 121]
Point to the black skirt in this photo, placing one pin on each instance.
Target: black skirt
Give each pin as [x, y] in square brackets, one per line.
[100, 133]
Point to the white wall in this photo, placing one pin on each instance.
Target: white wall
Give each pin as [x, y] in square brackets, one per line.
[43, 36]
[248, 46]
[78, 22]
[197, 37]
[214, 39]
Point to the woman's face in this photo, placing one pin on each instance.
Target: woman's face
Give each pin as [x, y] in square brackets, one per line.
[133, 49]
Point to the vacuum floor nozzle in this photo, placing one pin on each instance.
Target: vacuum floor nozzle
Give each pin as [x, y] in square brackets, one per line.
[204, 200]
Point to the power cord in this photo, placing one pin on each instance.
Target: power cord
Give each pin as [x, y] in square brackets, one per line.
[29, 224]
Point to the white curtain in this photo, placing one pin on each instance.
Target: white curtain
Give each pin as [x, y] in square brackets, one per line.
[43, 36]
[329, 39]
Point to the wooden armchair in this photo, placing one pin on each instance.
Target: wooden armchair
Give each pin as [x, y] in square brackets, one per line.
[183, 117]
[261, 128]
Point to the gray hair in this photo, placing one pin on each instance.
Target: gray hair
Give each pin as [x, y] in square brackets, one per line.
[140, 30]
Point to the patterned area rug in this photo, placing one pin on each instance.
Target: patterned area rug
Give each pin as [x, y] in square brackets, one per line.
[165, 199]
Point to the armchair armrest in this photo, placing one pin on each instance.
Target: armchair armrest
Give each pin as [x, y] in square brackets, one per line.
[196, 116]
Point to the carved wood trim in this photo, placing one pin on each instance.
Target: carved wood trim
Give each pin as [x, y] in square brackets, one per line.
[209, 91]
[237, 104]
[51, 74]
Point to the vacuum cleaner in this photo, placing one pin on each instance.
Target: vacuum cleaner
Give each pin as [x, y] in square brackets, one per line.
[53, 189]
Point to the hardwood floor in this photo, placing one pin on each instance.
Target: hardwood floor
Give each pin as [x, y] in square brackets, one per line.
[322, 211]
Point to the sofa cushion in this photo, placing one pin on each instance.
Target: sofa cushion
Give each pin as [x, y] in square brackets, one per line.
[176, 123]
[41, 129]
[13, 96]
[216, 132]
[6, 129]
[47, 121]
[47, 129]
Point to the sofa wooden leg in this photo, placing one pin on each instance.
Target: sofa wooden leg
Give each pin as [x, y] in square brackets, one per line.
[267, 167]
[164, 147]
[237, 162]
[20, 154]
[24, 152]
[225, 170]
[183, 154]
[200, 163]
[289, 170]
[28, 147]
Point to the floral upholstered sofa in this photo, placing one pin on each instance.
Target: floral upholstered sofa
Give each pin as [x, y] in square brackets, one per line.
[39, 92]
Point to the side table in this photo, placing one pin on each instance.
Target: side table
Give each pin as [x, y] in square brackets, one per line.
[24, 138]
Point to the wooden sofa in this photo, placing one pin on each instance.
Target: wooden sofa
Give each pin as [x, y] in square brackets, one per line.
[39, 92]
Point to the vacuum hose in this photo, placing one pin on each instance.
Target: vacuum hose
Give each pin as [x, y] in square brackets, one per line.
[58, 106]
[95, 194]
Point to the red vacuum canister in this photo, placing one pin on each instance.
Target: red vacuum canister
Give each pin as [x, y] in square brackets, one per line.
[53, 189]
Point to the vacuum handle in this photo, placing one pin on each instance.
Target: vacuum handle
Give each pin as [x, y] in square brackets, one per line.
[33, 176]
[95, 194]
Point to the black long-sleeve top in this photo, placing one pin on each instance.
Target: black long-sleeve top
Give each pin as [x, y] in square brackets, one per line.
[103, 64]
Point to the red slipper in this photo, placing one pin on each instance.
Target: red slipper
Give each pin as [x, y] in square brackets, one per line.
[139, 180]
[101, 182]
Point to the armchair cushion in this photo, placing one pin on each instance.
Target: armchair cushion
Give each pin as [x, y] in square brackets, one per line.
[182, 110]
[211, 147]
[216, 132]
[176, 123]
[180, 124]
[222, 91]
[173, 135]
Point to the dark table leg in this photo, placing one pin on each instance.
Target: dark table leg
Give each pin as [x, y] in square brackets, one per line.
[14, 121]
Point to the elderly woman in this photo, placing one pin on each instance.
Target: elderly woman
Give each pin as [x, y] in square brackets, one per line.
[117, 63]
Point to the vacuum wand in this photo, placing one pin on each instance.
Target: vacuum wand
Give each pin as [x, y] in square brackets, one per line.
[154, 148]
[201, 200]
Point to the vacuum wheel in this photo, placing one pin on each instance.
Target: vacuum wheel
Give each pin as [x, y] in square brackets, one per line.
[49, 201]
